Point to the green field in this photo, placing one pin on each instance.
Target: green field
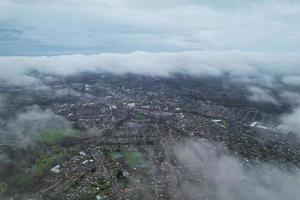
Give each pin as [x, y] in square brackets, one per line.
[139, 116]
[116, 155]
[134, 159]
[3, 188]
[48, 162]
[54, 136]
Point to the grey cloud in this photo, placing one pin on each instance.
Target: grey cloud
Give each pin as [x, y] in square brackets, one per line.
[65, 92]
[290, 122]
[26, 125]
[292, 80]
[3, 102]
[290, 97]
[227, 177]
[261, 95]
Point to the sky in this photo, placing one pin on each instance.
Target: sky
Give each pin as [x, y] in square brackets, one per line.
[59, 27]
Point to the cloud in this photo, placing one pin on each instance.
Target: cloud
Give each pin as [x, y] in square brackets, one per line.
[65, 92]
[16, 70]
[54, 27]
[292, 80]
[290, 97]
[223, 176]
[261, 96]
[28, 124]
[3, 102]
[290, 122]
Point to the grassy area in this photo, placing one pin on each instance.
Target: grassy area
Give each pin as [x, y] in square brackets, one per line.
[139, 116]
[48, 162]
[3, 188]
[116, 154]
[134, 159]
[22, 179]
[26, 169]
[31, 163]
[54, 136]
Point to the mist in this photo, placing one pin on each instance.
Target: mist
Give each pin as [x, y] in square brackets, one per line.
[226, 176]
[261, 95]
[25, 126]
[16, 70]
[290, 122]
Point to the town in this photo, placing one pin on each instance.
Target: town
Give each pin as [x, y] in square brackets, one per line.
[123, 129]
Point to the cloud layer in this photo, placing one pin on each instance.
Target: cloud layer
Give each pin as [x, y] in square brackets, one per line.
[266, 66]
[74, 26]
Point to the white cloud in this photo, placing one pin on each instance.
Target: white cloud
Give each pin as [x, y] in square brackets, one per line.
[226, 177]
[65, 92]
[14, 70]
[26, 125]
[290, 122]
[292, 80]
[290, 97]
[261, 95]
[129, 25]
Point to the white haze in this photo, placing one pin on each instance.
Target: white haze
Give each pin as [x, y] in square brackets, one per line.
[291, 122]
[15, 70]
[227, 177]
[292, 80]
[25, 126]
[261, 95]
